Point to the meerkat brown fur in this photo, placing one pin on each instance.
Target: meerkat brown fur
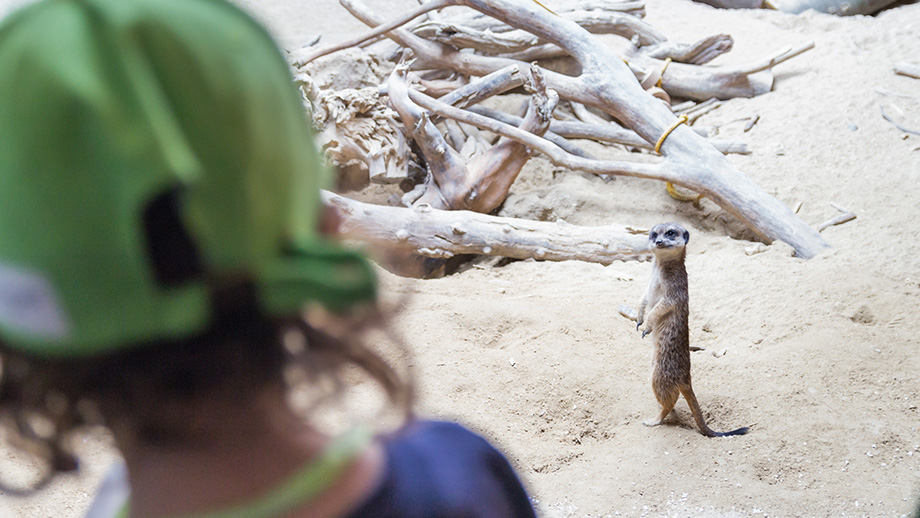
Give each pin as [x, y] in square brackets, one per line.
[668, 303]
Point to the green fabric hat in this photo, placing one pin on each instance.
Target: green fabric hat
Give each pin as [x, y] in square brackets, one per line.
[122, 119]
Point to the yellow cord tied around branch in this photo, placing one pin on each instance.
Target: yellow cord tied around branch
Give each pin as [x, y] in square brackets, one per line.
[667, 62]
[672, 190]
[680, 120]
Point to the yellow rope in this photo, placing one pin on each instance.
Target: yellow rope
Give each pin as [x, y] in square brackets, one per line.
[667, 62]
[679, 196]
[543, 6]
[672, 190]
[680, 120]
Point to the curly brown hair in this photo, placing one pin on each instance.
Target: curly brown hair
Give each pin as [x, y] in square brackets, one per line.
[152, 387]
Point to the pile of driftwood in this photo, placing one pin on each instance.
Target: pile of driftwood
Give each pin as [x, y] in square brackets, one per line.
[412, 111]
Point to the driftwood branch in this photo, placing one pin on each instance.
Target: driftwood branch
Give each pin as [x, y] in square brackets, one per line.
[697, 53]
[555, 154]
[492, 84]
[605, 83]
[844, 216]
[380, 30]
[443, 234]
[703, 83]
[483, 183]
[601, 132]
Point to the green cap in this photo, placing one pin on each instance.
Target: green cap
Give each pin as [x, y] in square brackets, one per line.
[124, 121]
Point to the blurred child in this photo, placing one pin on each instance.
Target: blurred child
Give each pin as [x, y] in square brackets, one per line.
[159, 243]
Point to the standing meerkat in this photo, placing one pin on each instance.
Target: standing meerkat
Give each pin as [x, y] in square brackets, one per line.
[668, 304]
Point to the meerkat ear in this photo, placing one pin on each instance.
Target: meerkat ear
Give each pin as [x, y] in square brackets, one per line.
[686, 236]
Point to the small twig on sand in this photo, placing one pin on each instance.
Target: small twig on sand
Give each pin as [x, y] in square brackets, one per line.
[895, 124]
[751, 122]
[845, 216]
[907, 69]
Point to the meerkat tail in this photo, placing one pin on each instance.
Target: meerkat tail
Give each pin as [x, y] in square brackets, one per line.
[688, 394]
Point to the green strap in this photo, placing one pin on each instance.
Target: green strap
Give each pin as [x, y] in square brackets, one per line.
[310, 481]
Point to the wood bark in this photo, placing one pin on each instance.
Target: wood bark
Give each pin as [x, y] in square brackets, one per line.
[482, 183]
[443, 234]
[605, 83]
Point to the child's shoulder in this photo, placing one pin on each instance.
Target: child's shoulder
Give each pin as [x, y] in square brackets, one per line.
[442, 446]
[436, 468]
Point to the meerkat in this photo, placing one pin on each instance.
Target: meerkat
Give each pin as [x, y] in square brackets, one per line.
[668, 304]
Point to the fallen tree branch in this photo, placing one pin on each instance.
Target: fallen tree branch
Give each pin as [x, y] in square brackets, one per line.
[483, 183]
[607, 132]
[697, 53]
[606, 83]
[492, 84]
[703, 83]
[382, 29]
[443, 234]
[555, 154]
[844, 216]
[485, 41]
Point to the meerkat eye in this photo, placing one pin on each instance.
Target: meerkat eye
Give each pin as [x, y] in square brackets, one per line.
[669, 233]
[653, 235]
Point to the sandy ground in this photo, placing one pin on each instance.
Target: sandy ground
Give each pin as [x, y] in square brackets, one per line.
[818, 356]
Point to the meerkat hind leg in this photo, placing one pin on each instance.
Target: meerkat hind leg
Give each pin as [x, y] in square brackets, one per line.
[667, 399]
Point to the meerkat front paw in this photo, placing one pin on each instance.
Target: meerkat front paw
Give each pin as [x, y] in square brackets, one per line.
[645, 332]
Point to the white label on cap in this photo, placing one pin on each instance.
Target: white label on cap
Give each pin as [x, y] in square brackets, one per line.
[28, 304]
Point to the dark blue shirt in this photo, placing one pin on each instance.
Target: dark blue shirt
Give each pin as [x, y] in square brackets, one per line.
[442, 470]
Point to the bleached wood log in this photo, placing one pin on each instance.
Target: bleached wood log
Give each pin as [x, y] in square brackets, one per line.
[493, 40]
[691, 82]
[703, 83]
[476, 20]
[485, 41]
[611, 22]
[482, 88]
[443, 234]
[608, 84]
[697, 53]
[608, 132]
[483, 183]
[380, 30]
[439, 87]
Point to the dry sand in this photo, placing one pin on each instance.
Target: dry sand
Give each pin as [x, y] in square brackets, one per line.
[818, 356]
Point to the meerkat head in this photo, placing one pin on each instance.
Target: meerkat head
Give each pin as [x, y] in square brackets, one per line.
[667, 239]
